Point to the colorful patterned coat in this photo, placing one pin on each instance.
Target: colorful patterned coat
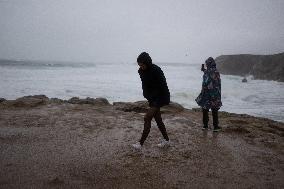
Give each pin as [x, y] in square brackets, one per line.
[210, 96]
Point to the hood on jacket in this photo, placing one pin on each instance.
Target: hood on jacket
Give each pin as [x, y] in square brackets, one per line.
[210, 63]
[144, 58]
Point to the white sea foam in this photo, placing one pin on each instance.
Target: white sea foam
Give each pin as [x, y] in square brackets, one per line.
[121, 82]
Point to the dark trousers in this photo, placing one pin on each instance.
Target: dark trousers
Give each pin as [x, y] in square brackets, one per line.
[206, 117]
[153, 112]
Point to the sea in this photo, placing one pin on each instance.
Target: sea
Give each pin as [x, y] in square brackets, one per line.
[121, 82]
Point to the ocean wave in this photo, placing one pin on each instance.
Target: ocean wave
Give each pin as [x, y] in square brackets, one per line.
[41, 64]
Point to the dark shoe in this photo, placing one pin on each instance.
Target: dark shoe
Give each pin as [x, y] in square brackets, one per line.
[217, 129]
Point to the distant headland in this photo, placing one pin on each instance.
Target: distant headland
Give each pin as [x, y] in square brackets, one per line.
[266, 67]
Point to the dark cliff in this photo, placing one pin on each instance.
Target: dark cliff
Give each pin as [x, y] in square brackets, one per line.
[268, 67]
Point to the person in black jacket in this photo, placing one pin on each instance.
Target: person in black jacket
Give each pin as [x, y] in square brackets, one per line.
[155, 90]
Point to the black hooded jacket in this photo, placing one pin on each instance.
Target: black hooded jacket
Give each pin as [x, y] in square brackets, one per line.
[154, 85]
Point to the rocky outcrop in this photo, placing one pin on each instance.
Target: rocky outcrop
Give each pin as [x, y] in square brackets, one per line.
[27, 101]
[37, 100]
[64, 145]
[56, 100]
[2, 100]
[139, 106]
[142, 106]
[88, 100]
[61, 144]
[267, 67]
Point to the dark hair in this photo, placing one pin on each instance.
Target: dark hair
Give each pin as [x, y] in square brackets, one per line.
[144, 58]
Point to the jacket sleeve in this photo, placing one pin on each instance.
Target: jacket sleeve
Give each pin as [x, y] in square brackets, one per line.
[145, 87]
[161, 82]
[145, 90]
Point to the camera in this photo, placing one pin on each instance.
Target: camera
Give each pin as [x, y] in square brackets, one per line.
[202, 67]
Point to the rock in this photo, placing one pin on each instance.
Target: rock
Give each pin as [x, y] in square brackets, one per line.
[244, 80]
[27, 101]
[56, 100]
[142, 107]
[268, 67]
[173, 107]
[101, 101]
[88, 100]
[2, 100]
[139, 106]
[74, 100]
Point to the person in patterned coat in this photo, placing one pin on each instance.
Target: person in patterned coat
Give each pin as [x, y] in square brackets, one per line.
[210, 96]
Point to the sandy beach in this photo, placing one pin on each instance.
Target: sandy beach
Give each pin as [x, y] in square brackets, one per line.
[86, 143]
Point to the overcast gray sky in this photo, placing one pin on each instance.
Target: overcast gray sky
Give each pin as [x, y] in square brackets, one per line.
[118, 30]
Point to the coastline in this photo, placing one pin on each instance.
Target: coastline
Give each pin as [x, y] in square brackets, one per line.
[263, 67]
[86, 143]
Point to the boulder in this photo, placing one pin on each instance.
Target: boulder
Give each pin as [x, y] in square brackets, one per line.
[2, 100]
[56, 100]
[74, 100]
[27, 101]
[244, 80]
[173, 107]
[88, 100]
[100, 101]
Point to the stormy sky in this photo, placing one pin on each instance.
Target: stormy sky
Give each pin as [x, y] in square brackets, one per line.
[118, 30]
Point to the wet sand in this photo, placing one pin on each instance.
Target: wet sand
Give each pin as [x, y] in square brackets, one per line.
[48, 143]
